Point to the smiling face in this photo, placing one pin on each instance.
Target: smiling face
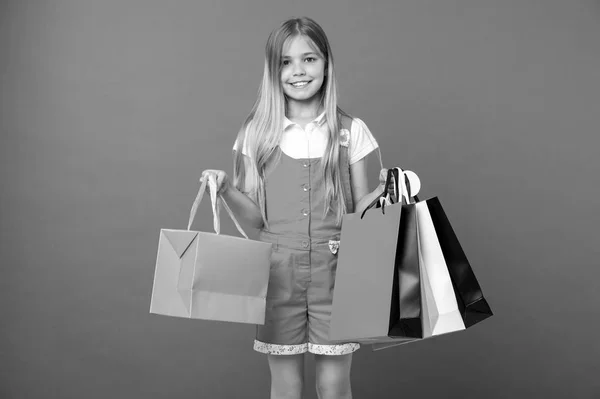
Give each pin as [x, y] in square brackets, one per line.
[302, 72]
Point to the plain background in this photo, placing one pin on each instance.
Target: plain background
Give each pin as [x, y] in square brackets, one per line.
[110, 110]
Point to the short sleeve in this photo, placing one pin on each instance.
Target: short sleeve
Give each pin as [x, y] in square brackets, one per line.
[244, 146]
[361, 143]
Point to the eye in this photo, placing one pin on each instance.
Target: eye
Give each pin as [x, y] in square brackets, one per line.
[285, 62]
[310, 59]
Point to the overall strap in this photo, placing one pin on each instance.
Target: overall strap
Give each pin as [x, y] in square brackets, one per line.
[345, 122]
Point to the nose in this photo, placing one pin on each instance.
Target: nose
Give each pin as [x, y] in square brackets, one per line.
[298, 69]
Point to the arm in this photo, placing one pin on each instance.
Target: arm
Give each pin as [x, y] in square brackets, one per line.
[246, 210]
[360, 189]
[361, 144]
[243, 207]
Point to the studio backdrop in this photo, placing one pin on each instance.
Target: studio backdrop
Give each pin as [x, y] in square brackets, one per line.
[110, 110]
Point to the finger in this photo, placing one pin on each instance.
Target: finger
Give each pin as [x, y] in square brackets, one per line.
[203, 180]
[206, 173]
[219, 182]
[382, 176]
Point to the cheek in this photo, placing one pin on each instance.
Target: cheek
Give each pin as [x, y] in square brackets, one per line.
[320, 71]
[321, 74]
[283, 74]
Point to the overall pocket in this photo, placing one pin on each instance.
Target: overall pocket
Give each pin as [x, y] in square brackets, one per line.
[280, 274]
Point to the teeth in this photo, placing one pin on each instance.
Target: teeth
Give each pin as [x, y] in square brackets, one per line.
[299, 84]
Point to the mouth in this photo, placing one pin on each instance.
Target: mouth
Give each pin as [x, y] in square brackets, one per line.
[300, 84]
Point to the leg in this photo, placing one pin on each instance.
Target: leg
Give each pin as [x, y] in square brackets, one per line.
[287, 376]
[333, 376]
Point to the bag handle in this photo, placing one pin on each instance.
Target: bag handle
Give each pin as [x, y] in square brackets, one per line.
[385, 198]
[403, 191]
[392, 177]
[410, 191]
[403, 180]
[215, 201]
[401, 187]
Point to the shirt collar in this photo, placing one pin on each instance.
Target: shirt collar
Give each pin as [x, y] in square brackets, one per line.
[319, 120]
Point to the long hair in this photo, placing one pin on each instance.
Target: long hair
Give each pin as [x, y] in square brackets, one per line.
[263, 128]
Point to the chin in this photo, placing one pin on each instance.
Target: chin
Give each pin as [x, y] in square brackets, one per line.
[304, 97]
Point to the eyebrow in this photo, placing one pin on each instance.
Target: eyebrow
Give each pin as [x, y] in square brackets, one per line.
[305, 54]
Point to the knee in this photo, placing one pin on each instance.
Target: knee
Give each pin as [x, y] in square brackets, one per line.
[332, 386]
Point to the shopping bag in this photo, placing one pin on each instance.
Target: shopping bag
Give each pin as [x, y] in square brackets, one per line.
[441, 307]
[451, 297]
[377, 289]
[202, 275]
[471, 302]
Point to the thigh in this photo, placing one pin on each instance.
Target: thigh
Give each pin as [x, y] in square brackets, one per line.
[333, 369]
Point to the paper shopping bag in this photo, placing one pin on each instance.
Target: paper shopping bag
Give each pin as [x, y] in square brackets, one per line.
[442, 314]
[471, 302]
[451, 297]
[377, 290]
[210, 276]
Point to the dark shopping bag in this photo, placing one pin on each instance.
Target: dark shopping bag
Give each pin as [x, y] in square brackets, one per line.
[471, 302]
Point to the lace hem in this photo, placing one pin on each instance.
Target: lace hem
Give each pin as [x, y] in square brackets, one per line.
[275, 349]
[335, 350]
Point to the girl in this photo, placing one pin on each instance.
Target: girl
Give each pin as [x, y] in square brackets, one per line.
[299, 165]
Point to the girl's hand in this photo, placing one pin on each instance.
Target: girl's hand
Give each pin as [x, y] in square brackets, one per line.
[382, 180]
[221, 178]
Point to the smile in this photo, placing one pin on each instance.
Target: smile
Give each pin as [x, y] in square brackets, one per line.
[299, 85]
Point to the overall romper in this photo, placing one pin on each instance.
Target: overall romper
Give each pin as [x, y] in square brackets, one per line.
[303, 265]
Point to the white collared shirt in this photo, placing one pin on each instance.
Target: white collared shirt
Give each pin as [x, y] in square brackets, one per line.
[311, 141]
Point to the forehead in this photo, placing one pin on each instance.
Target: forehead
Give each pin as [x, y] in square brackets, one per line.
[299, 45]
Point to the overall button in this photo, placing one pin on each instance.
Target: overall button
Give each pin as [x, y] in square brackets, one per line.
[305, 212]
[305, 244]
[306, 164]
[305, 187]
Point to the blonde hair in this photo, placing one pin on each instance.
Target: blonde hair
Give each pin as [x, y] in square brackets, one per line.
[263, 128]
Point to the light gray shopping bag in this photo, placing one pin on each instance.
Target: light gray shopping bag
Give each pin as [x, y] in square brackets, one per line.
[211, 276]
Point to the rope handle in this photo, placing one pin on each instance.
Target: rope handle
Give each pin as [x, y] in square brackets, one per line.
[216, 206]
